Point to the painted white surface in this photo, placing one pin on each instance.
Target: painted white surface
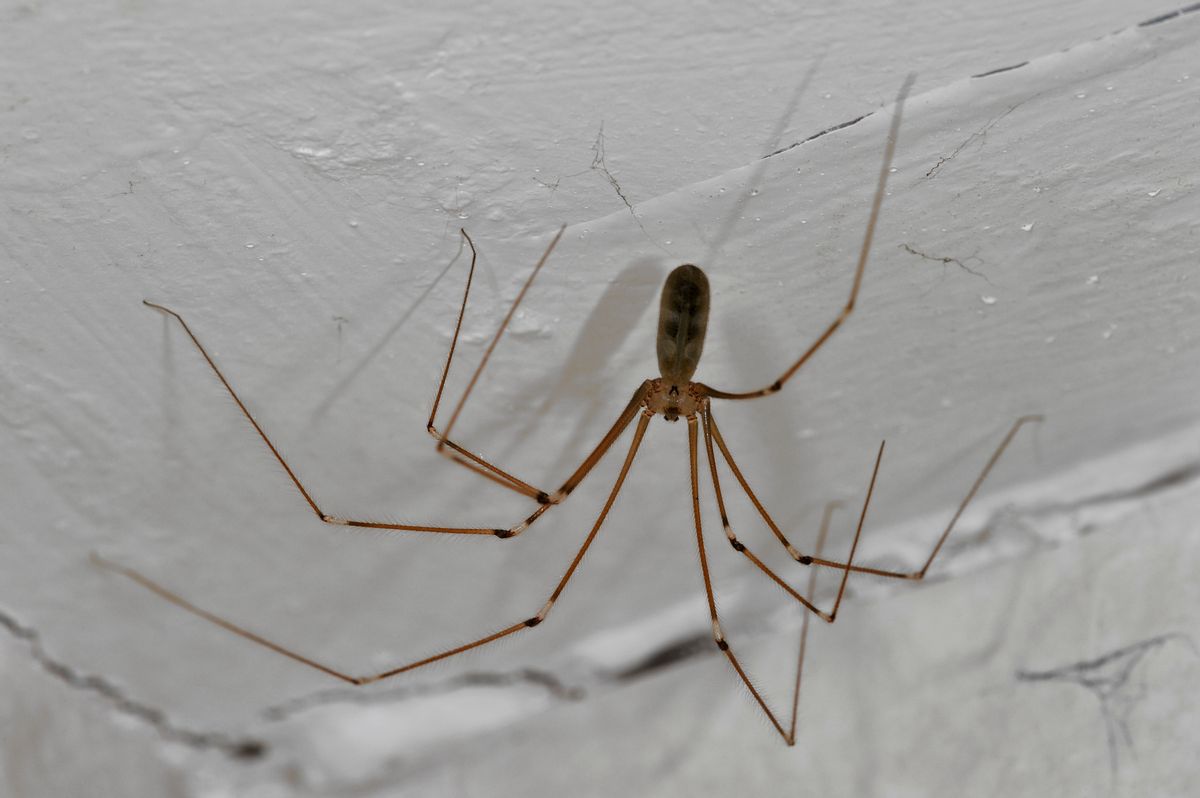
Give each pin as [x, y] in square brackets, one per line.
[292, 181]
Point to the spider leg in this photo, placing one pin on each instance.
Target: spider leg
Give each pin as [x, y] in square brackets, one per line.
[937, 547]
[528, 623]
[449, 448]
[812, 589]
[829, 616]
[614, 432]
[715, 432]
[876, 203]
[718, 634]
[805, 559]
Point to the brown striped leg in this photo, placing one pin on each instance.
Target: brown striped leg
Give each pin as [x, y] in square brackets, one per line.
[937, 547]
[714, 431]
[805, 559]
[741, 548]
[618, 427]
[876, 203]
[718, 634]
[572, 482]
[528, 623]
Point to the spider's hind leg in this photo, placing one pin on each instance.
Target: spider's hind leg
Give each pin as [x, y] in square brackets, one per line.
[937, 547]
[789, 735]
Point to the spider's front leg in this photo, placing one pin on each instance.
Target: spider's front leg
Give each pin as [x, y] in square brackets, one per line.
[606, 442]
[477, 463]
[848, 308]
[454, 451]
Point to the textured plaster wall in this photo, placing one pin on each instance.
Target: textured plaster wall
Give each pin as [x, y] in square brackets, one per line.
[292, 179]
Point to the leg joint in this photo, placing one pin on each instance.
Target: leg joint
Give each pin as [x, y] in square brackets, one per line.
[541, 616]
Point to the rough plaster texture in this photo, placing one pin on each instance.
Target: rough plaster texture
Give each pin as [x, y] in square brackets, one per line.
[292, 179]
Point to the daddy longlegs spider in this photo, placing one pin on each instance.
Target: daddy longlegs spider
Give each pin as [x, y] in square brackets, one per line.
[682, 323]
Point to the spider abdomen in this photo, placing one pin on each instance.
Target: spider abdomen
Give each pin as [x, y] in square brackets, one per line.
[682, 321]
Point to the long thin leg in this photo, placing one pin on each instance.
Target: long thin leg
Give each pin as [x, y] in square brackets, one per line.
[718, 633]
[812, 590]
[618, 427]
[804, 559]
[876, 203]
[528, 623]
[937, 547]
[454, 451]
[741, 547]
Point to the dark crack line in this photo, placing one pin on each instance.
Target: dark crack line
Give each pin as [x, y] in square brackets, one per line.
[342, 695]
[818, 135]
[998, 70]
[553, 187]
[987, 74]
[1169, 15]
[1107, 677]
[947, 261]
[600, 165]
[237, 748]
[979, 135]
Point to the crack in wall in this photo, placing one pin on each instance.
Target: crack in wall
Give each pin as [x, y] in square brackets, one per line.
[600, 166]
[946, 261]
[1108, 678]
[1161, 18]
[1169, 15]
[818, 135]
[978, 136]
[998, 70]
[241, 748]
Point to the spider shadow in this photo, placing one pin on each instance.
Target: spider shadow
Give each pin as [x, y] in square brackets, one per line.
[583, 379]
[367, 359]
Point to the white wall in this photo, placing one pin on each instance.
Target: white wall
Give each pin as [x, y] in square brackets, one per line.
[292, 180]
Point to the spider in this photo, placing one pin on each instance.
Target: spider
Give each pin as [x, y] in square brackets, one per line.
[682, 323]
